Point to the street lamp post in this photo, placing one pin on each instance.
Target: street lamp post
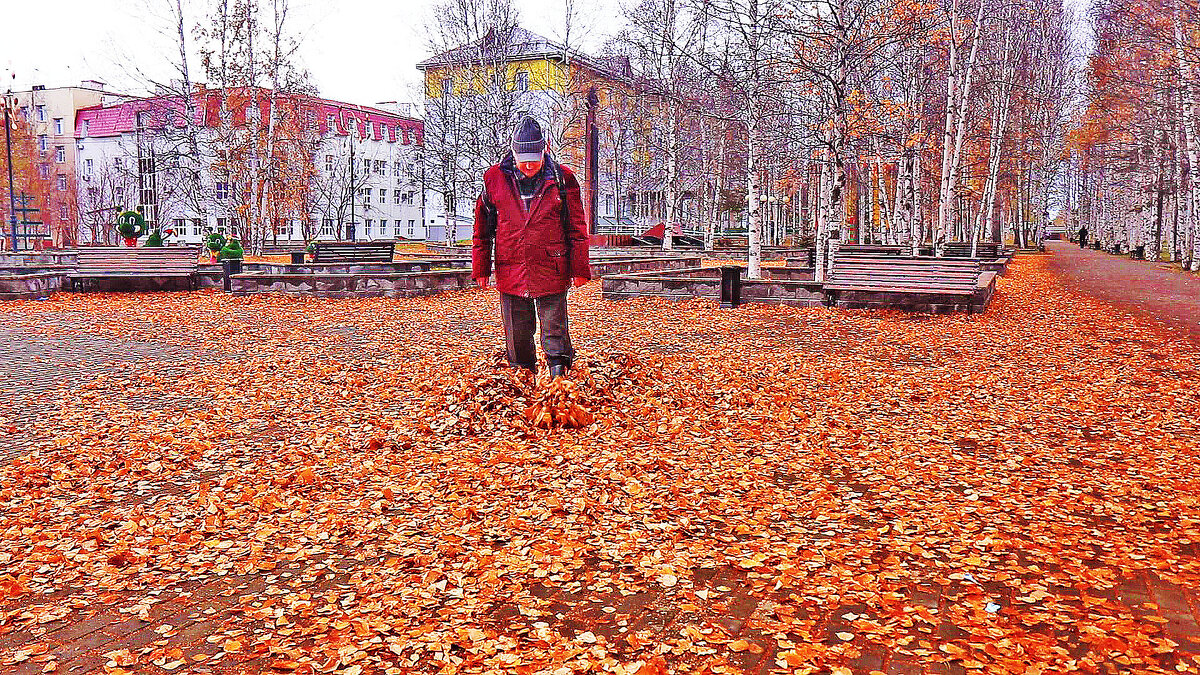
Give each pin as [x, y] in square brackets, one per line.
[12, 198]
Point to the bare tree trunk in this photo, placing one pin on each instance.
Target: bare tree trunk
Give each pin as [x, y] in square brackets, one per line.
[958, 93]
[754, 255]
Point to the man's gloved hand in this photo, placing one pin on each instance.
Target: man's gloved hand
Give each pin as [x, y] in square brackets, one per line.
[579, 281]
[483, 283]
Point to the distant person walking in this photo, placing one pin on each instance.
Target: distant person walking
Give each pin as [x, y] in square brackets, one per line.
[531, 214]
[1083, 237]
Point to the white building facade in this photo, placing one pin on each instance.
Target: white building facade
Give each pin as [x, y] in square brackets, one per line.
[364, 184]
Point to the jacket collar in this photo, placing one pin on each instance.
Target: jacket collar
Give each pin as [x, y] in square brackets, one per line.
[508, 164]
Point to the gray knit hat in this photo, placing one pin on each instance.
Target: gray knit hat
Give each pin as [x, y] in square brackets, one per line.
[528, 144]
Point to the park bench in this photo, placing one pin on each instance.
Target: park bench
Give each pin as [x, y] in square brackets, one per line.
[885, 280]
[873, 249]
[353, 252]
[282, 249]
[989, 250]
[125, 262]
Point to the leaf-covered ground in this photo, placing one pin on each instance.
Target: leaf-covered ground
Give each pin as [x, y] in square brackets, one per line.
[303, 485]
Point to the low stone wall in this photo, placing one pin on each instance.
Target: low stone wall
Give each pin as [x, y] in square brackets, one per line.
[767, 253]
[603, 268]
[21, 283]
[780, 286]
[57, 258]
[398, 285]
[399, 267]
[595, 252]
[673, 285]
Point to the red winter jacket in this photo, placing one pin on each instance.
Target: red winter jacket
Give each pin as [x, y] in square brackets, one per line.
[534, 256]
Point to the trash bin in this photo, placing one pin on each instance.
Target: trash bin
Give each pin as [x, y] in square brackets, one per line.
[230, 266]
[731, 286]
[297, 257]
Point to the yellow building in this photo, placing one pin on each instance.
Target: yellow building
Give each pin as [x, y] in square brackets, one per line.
[50, 113]
[486, 86]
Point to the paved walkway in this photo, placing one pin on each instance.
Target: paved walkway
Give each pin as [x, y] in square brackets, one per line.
[1159, 291]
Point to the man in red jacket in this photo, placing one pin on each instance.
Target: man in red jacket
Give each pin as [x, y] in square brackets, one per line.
[531, 212]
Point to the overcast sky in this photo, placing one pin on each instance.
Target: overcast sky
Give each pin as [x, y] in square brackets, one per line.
[360, 51]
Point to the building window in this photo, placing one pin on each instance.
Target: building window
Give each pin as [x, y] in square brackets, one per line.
[180, 226]
[141, 121]
[383, 228]
[62, 183]
[85, 127]
[58, 126]
[366, 193]
[380, 167]
[367, 226]
[41, 113]
[521, 81]
[382, 196]
[119, 194]
[397, 196]
[195, 227]
[221, 224]
[117, 163]
[87, 167]
[42, 145]
[331, 121]
[329, 162]
[447, 84]
[396, 169]
[222, 191]
[60, 154]
[43, 171]
[396, 229]
[411, 225]
[327, 226]
[62, 211]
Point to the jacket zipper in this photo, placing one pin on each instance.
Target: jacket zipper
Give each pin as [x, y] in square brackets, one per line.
[526, 212]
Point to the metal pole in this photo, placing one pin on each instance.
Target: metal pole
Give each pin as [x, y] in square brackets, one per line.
[592, 160]
[12, 198]
[353, 190]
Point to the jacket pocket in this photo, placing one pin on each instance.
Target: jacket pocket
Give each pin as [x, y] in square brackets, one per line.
[558, 258]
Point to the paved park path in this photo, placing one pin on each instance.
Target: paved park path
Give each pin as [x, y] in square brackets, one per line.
[1158, 291]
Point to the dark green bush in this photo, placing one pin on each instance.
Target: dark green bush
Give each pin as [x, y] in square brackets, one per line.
[232, 250]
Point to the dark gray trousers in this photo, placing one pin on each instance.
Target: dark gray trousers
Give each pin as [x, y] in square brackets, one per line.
[522, 315]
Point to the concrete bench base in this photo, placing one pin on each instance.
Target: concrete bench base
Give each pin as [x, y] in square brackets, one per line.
[782, 286]
[31, 283]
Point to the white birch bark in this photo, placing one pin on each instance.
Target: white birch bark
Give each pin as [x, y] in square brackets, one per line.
[959, 91]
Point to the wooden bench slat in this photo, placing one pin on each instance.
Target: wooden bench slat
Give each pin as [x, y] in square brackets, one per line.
[128, 262]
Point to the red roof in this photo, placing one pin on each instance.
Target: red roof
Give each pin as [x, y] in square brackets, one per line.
[121, 118]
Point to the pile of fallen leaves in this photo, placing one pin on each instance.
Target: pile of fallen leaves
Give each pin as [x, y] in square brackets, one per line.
[492, 396]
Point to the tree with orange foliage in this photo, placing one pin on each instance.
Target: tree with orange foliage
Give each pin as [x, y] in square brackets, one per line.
[32, 176]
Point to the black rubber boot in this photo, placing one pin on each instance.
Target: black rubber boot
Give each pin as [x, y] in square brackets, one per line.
[557, 370]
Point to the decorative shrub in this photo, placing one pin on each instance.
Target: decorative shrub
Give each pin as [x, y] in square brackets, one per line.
[214, 242]
[155, 239]
[131, 224]
[233, 250]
